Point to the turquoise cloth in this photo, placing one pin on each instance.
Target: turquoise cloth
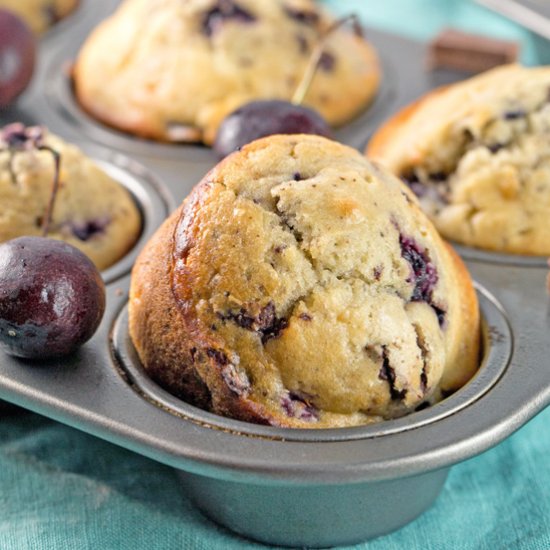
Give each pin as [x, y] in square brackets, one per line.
[423, 19]
[62, 489]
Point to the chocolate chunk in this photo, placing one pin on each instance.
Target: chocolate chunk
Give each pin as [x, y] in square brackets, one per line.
[423, 272]
[302, 16]
[274, 330]
[218, 356]
[495, 147]
[327, 62]
[514, 115]
[438, 176]
[86, 230]
[266, 323]
[267, 316]
[279, 248]
[387, 373]
[456, 50]
[224, 10]
[240, 318]
[298, 405]
[423, 380]
[441, 315]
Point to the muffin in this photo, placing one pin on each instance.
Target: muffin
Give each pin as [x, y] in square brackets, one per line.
[172, 70]
[40, 15]
[300, 285]
[92, 211]
[477, 154]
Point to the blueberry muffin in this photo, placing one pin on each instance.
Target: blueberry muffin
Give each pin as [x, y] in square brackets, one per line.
[40, 15]
[300, 285]
[172, 70]
[92, 211]
[477, 154]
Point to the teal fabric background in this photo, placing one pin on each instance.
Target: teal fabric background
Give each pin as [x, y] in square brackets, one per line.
[423, 19]
[62, 489]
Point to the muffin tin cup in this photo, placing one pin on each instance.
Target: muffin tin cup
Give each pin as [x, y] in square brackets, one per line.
[286, 486]
[279, 486]
[497, 344]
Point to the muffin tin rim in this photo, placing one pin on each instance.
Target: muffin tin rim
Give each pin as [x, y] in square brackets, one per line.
[497, 340]
[151, 197]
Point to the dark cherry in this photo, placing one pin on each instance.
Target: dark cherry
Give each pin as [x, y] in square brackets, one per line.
[265, 118]
[52, 298]
[17, 57]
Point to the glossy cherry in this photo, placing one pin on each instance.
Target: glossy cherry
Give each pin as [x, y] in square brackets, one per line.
[17, 57]
[52, 298]
[265, 118]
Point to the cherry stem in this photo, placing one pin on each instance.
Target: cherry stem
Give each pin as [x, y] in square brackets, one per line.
[55, 188]
[315, 58]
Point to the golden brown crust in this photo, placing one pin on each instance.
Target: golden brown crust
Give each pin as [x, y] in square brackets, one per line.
[377, 145]
[263, 299]
[173, 352]
[462, 350]
[160, 337]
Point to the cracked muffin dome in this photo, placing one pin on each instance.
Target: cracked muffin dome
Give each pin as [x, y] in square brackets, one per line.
[299, 285]
[477, 154]
[92, 211]
[40, 15]
[171, 70]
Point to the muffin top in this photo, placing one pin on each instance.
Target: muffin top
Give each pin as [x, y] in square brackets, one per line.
[172, 70]
[91, 211]
[40, 15]
[477, 154]
[308, 282]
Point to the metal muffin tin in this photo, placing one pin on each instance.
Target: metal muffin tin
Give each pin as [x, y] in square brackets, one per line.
[279, 486]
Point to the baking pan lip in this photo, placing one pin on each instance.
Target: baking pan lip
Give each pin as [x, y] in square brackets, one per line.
[500, 258]
[152, 198]
[80, 12]
[497, 341]
[227, 454]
